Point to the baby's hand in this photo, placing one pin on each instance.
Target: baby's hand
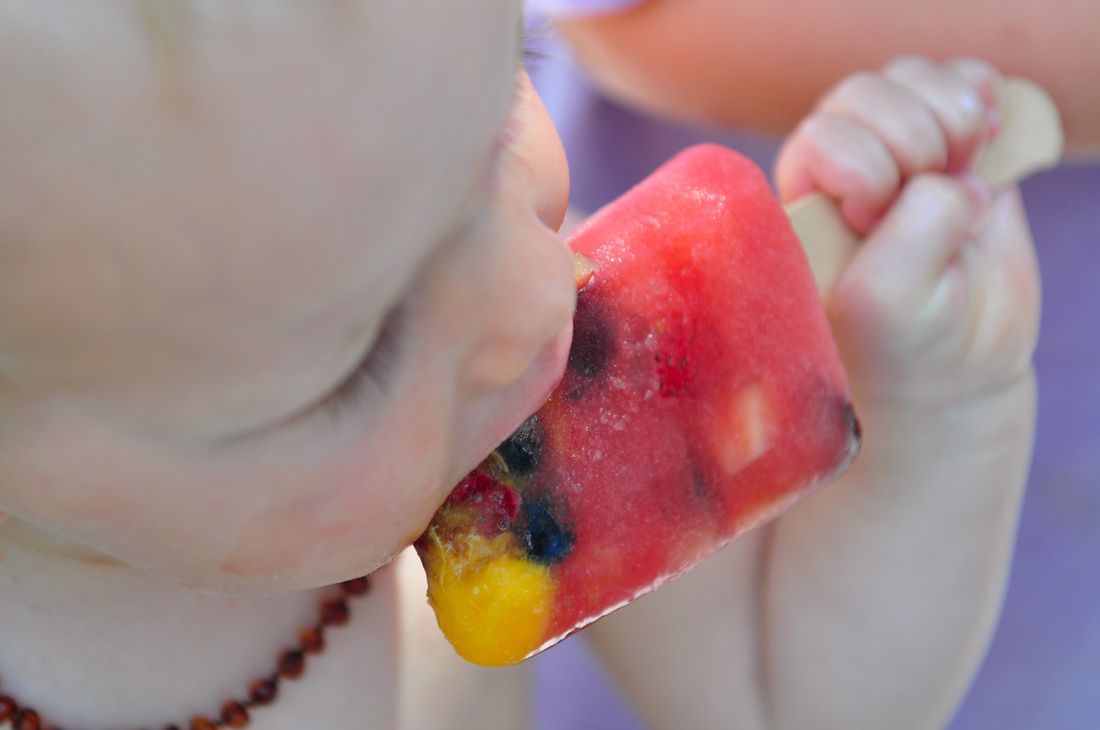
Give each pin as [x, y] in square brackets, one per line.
[941, 302]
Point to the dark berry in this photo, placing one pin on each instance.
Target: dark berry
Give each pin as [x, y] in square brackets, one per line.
[522, 450]
[545, 539]
[593, 344]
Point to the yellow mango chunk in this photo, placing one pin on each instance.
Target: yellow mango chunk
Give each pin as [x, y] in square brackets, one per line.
[494, 611]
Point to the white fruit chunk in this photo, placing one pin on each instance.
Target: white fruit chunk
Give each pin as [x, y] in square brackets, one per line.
[746, 430]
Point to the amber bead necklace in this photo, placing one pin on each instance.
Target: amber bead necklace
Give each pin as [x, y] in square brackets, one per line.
[291, 664]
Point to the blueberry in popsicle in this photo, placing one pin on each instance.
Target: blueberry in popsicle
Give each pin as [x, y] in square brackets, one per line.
[703, 395]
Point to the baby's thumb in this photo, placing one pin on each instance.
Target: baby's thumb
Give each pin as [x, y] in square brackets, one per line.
[909, 250]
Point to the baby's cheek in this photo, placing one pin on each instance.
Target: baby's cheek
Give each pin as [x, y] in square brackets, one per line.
[90, 492]
[302, 510]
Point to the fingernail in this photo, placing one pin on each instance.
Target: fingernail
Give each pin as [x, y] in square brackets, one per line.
[981, 202]
[992, 122]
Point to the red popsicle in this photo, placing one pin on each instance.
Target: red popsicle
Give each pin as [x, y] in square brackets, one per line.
[703, 395]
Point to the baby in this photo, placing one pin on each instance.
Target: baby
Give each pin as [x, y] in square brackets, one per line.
[273, 276]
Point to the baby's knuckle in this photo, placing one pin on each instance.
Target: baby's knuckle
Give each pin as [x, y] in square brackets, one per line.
[910, 65]
[925, 147]
[816, 131]
[968, 110]
[860, 85]
[974, 69]
[941, 192]
[868, 299]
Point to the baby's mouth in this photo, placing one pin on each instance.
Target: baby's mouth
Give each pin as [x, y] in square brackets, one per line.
[497, 415]
[511, 406]
[534, 386]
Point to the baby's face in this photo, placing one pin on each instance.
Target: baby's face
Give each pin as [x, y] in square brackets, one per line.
[273, 275]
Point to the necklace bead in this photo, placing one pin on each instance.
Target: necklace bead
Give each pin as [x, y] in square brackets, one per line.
[27, 719]
[334, 612]
[234, 714]
[264, 691]
[312, 640]
[292, 663]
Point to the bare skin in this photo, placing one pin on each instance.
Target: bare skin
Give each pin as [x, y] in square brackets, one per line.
[762, 65]
[204, 230]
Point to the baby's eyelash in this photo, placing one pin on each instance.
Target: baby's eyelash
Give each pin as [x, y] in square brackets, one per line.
[374, 371]
[533, 43]
[533, 38]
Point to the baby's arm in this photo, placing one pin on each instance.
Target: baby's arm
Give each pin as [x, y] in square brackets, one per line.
[870, 604]
[761, 64]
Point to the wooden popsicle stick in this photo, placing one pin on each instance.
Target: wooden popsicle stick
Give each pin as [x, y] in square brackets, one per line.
[1030, 140]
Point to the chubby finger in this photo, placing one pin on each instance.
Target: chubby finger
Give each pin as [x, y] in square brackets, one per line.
[959, 95]
[987, 80]
[905, 122]
[900, 264]
[981, 74]
[846, 160]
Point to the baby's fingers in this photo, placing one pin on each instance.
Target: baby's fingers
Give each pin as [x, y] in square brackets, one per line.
[846, 160]
[900, 268]
[902, 118]
[874, 132]
[962, 97]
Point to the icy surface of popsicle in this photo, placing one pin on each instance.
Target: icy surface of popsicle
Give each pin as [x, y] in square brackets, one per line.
[703, 395]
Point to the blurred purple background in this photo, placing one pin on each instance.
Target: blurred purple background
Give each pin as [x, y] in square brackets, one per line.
[1043, 669]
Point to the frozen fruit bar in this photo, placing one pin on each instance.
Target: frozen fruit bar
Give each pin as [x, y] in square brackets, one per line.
[703, 395]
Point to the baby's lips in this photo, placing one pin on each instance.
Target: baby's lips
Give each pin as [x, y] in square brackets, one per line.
[504, 410]
[543, 374]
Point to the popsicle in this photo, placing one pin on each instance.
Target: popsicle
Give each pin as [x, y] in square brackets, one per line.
[703, 396]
